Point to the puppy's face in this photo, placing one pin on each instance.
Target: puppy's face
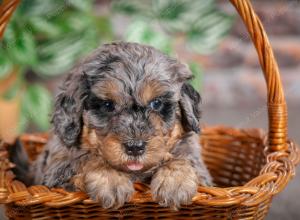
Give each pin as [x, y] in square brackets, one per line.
[134, 119]
[133, 102]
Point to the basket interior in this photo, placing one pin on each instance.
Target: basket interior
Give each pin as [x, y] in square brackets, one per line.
[233, 156]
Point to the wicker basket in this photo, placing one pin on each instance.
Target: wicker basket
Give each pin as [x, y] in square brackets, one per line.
[248, 166]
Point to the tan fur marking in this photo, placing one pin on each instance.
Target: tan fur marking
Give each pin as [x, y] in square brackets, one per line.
[109, 90]
[150, 90]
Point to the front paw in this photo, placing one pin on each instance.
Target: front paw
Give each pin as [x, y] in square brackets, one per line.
[110, 188]
[174, 184]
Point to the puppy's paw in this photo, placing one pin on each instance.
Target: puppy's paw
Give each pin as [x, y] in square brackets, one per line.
[109, 187]
[174, 184]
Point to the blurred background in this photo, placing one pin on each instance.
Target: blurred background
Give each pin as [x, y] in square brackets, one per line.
[44, 39]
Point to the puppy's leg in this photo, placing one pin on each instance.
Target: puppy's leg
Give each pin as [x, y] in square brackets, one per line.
[176, 182]
[108, 186]
[189, 149]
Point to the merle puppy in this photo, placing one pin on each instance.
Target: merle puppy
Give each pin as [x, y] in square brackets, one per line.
[125, 114]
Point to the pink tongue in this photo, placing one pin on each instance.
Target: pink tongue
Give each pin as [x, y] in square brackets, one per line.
[134, 166]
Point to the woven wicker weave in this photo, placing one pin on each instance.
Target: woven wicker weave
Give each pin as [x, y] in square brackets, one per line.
[249, 167]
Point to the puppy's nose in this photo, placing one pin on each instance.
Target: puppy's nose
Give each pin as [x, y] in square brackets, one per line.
[135, 148]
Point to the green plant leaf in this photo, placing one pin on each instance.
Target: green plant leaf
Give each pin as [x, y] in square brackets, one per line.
[81, 5]
[9, 37]
[204, 36]
[40, 8]
[141, 32]
[58, 56]
[74, 21]
[170, 10]
[104, 27]
[128, 7]
[44, 26]
[6, 65]
[36, 106]
[197, 72]
[23, 51]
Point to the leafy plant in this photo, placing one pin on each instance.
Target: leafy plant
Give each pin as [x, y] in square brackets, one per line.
[45, 38]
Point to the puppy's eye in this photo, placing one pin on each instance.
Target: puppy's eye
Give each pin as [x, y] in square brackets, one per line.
[108, 106]
[156, 104]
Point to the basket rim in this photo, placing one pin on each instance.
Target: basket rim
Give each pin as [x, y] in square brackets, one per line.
[273, 177]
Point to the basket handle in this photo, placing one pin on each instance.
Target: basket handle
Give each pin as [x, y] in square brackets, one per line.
[7, 7]
[277, 108]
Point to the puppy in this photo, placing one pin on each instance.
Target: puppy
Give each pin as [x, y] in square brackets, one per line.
[125, 114]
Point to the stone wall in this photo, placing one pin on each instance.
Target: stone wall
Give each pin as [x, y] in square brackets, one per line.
[232, 74]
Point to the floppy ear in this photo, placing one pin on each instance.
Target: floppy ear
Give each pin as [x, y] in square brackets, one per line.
[190, 108]
[67, 116]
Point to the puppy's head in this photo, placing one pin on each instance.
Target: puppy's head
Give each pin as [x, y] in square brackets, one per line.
[133, 100]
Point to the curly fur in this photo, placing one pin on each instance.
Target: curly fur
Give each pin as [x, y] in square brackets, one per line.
[86, 151]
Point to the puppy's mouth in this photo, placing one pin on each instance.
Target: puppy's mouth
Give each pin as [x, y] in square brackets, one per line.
[134, 165]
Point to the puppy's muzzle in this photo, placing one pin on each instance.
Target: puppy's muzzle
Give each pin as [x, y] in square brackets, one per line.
[135, 148]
